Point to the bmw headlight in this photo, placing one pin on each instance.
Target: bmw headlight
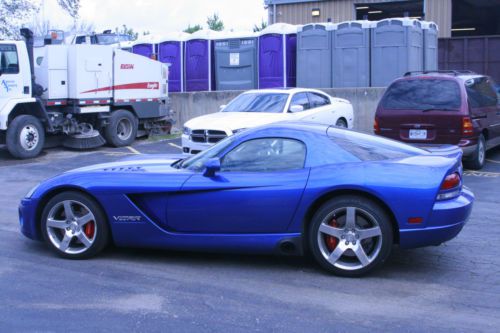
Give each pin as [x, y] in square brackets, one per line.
[239, 130]
[30, 193]
[186, 131]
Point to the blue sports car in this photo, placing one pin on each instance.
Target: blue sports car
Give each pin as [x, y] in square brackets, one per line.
[286, 188]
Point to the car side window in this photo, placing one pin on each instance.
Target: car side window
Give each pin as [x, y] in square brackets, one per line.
[317, 100]
[9, 63]
[481, 93]
[300, 99]
[265, 155]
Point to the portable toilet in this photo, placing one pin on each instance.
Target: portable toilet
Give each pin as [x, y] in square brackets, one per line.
[314, 53]
[236, 63]
[351, 54]
[430, 30]
[145, 47]
[396, 48]
[277, 56]
[171, 51]
[199, 71]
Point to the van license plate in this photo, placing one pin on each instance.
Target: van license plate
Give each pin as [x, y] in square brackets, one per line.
[418, 134]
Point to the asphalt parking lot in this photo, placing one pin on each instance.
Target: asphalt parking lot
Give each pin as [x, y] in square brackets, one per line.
[451, 288]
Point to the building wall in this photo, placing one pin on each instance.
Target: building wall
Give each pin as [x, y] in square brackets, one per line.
[438, 11]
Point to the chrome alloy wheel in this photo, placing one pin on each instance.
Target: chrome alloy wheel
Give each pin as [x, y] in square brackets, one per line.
[349, 238]
[29, 137]
[481, 152]
[71, 227]
[124, 129]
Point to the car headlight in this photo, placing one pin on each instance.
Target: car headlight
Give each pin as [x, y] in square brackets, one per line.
[238, 130]
[30, 193]
[186, 130]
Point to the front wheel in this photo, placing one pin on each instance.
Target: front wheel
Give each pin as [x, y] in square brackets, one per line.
[121, 129]
[25, 137]
[74, 226]
[350, 236]
[341, 123]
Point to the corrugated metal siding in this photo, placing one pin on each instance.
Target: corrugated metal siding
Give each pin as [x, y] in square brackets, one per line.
[439, 11]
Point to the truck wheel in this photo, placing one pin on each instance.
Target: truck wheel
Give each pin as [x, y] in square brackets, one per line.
[478, 158]
[121, 129]
[25, 137]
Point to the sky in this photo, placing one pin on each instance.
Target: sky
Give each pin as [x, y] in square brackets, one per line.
[158, 16]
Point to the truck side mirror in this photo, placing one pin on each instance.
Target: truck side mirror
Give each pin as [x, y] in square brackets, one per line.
[212, 166]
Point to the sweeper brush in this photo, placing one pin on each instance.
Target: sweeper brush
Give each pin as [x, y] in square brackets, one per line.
[89, 140]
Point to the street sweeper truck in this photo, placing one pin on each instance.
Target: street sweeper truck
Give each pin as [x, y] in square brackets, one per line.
[83, 95]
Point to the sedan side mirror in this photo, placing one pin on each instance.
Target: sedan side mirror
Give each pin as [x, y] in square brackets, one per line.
[222, 107]
[212, 166]
[296, 108]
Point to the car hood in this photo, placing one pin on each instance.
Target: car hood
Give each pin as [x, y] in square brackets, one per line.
[137, 163]
[229, 121]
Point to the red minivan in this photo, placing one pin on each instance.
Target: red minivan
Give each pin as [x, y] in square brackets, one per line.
[443, 107]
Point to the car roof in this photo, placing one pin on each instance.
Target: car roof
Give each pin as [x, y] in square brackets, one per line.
[460, 75]
[283, 90]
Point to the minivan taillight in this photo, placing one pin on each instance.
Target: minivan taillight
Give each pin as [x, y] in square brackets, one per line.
[450, 188]
[467, 127]
[376, 127]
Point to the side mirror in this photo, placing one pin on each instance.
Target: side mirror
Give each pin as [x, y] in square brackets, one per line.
[212, 166]
[296, 108]
[222, 107]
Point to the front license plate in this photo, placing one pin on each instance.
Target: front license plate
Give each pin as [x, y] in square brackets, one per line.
[418, 134]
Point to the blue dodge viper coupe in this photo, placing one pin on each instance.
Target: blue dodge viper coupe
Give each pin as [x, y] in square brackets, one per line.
[288, 188]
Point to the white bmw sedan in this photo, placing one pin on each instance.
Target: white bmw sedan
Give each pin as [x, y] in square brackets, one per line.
[259, 107]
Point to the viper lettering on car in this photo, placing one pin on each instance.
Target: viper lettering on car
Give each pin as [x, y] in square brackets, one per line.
[126, 218]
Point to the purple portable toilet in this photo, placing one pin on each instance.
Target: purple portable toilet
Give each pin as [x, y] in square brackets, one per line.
[199, 61]
[171, 51]
[144, 46]
[277, 56]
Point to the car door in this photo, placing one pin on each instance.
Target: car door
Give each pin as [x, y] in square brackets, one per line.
[321, 109]
[257, 190]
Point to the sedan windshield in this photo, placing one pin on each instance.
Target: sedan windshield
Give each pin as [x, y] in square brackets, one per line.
[258, 102]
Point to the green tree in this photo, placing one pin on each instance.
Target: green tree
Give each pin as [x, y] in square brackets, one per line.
[13, 15]
[260, 27]
[215, 23]
[190, 29]
[124, 30]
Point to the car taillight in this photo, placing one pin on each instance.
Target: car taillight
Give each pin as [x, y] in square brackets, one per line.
[467, 127]
[376, 127]
[450, 188]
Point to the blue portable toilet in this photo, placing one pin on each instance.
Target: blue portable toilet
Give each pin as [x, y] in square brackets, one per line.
[351, 54]
[144, 46]
[396, 48]
[199, 74]
[171, 51]
[236, 63]
[430, 30]
[278, 56]
[314, 55]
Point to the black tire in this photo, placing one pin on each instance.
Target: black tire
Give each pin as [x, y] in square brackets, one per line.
[25, 137]
[114, 131]
[476, 162]
[368, 216]
[100, 236]
[341, 123]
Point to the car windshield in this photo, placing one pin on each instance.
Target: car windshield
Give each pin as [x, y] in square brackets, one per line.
[427, 94]
[258, 102]
[107, 39]
[197, 162]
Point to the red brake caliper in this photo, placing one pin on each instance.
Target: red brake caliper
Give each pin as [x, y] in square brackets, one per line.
[331, 242]
[89, 229]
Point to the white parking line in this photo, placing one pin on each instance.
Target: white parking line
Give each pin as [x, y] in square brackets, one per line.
[132, 149]
[493, 161]
[481, 174]
[174, 145]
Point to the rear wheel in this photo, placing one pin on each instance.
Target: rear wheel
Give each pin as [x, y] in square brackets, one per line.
[479, 156]
[121, 129]
[74, 226]
[350, 236]
[25, 137]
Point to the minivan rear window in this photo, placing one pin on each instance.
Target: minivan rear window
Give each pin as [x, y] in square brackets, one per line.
[423, 95]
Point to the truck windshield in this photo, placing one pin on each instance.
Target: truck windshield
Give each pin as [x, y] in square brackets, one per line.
[426, 94]
[107, 39]
[258, 102]
[9, 63]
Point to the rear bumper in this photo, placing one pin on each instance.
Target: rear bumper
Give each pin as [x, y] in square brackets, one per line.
[446, 220]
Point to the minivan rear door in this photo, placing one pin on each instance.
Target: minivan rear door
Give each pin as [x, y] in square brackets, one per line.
[422, 110]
